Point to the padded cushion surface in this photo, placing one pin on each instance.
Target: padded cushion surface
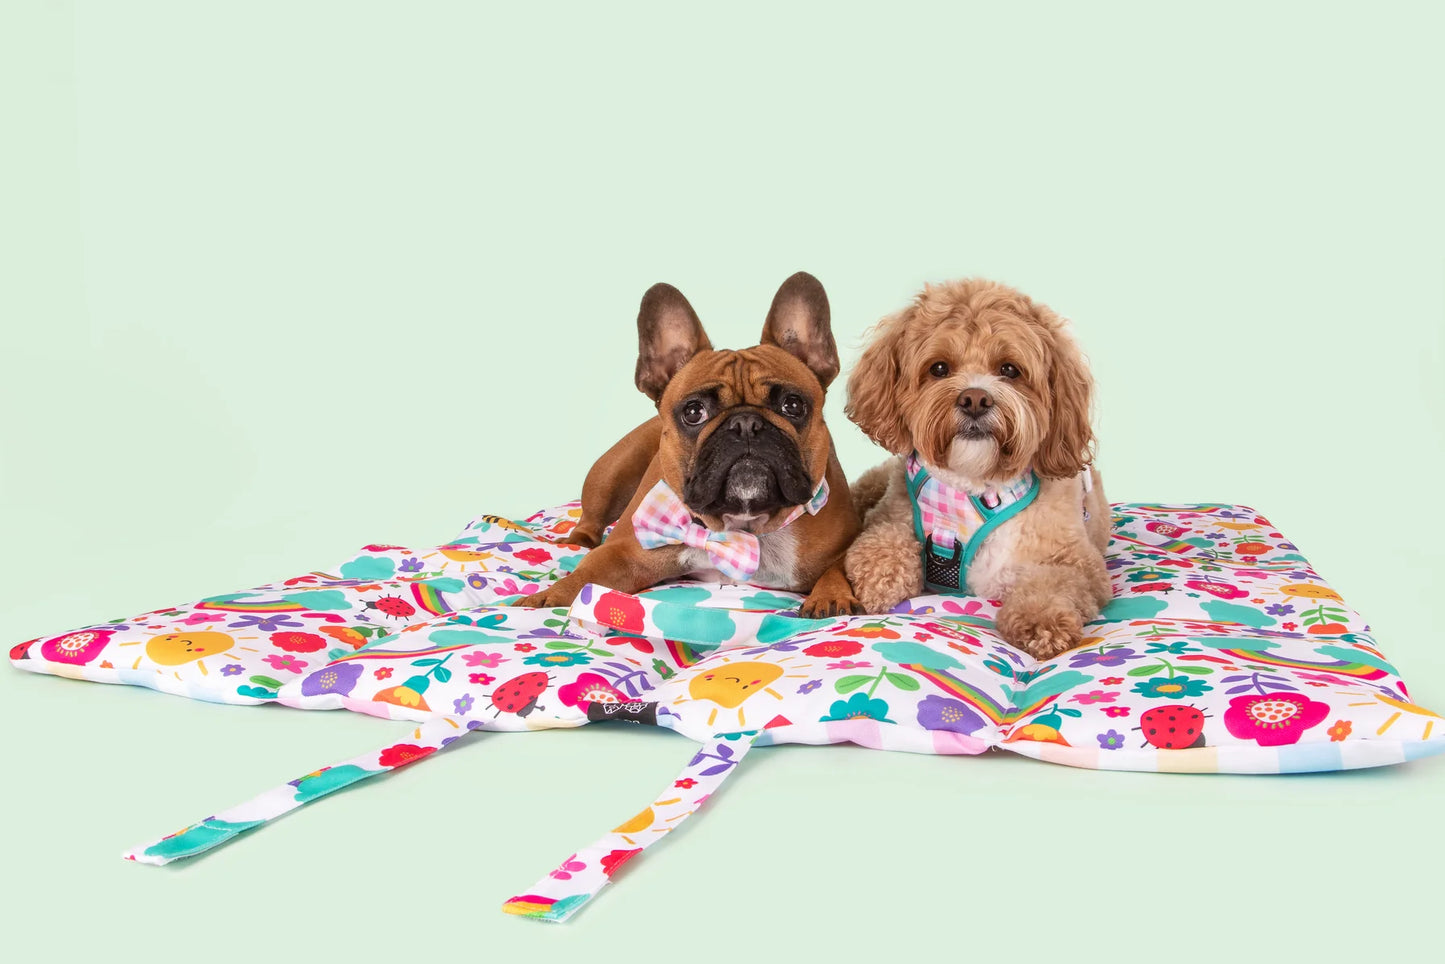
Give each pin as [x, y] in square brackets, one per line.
[1222, 651]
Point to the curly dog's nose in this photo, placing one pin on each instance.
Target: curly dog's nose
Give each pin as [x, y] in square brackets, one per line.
[975, 402]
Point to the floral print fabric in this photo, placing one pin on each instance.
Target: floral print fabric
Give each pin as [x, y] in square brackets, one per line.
[1222, 651]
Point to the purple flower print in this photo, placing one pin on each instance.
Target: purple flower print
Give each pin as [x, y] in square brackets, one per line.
[271, 623]
[809, 686]
[942, 713]
[1111, 740]
[339, 678]
[410, 565]
[1109, 657]
[1279, 609]
[232, 669]
[463, 704]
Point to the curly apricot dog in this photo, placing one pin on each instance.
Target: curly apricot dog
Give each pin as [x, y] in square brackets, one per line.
[985, 399]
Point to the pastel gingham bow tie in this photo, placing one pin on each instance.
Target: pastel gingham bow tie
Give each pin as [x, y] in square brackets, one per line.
[664, 520]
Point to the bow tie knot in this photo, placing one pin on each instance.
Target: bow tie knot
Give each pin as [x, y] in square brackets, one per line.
[662, 519]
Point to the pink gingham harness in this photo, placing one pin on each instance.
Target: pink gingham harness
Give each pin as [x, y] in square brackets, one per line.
[951, 524]
[663, 519]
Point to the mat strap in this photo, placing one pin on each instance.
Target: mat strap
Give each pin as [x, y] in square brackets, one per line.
[581, 876]
[215, 830]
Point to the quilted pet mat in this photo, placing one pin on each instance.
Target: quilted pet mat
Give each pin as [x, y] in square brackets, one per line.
[1223, 651]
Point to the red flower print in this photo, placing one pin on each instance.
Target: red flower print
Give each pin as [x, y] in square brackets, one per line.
[298, 642]
[403, 753]
[534, 556]
[1273, 719]
[524, 647]
[1112, 680]
[383, 673]
[686, 783]
[1289, 627]
[480, 679]
[835, 648]
[77, 648]
[871, 632]
[1116, 711]
[620, 611]
[616, 859]
[1340, 730]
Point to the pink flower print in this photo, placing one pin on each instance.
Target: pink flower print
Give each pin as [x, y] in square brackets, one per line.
[197, 619]
[1093, 696]
[487, 660]
[849, 664]
[481, 679]
[287, 662]
[569, 867]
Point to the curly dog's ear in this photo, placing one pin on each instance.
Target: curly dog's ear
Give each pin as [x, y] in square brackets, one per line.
[875, 402]
[1068, 445]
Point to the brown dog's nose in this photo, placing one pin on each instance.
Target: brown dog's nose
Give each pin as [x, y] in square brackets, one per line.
[745, 425]
[975, 402]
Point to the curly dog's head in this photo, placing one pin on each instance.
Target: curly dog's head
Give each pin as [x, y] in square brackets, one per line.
[981, 381]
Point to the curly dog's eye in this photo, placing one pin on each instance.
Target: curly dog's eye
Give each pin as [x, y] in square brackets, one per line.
[939, 369]
[1009, 370]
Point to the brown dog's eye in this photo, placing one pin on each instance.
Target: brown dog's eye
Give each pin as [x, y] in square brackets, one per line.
[1008, 370]
[793, 406]
[939, 369]
[694, 413]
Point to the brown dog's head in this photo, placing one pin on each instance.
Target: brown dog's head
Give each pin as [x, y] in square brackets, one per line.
[743, 438]
[980, 381]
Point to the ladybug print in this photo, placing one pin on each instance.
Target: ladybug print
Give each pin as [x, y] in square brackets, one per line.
[520, 693]
[391, 606]
[1175, 727]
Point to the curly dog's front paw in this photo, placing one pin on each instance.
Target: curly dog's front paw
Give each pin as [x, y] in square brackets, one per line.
[884, 570]
[1041, 630]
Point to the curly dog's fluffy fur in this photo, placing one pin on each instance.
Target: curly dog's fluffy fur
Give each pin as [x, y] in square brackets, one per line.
[972, 338]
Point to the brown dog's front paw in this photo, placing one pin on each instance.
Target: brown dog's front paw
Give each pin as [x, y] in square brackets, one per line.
[554, 596]
[832, 596]
[819, 606]
[582, 535]
[1043, 632]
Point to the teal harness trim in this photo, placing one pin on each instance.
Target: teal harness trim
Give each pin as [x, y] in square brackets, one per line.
[961, 555]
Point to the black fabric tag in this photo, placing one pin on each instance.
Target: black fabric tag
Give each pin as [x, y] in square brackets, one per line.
[943, 572]
[635, 711]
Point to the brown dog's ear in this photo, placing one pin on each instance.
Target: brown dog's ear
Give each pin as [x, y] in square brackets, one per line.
[800, 324]
[668, 335]
[875, 402]
[1068, 445]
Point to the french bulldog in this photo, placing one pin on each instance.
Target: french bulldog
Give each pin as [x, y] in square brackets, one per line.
[735, 477]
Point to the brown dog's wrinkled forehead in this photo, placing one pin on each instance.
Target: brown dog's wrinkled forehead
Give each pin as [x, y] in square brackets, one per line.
[743, 377]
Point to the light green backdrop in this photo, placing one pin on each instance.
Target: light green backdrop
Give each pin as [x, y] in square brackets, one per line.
[281, 278]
